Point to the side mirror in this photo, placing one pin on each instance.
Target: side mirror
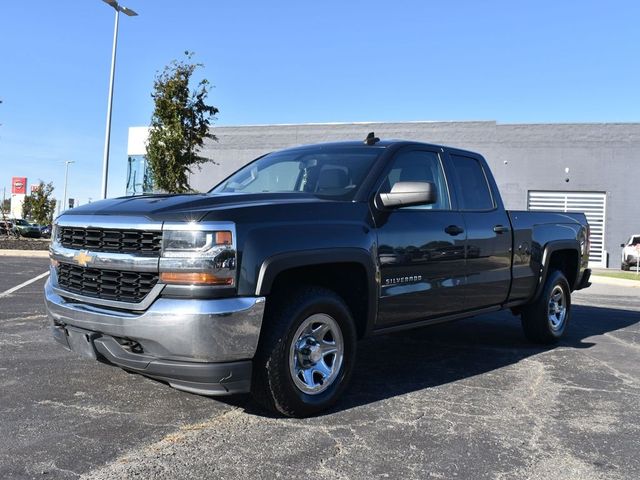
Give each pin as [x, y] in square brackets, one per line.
[622, 245]
[406, 194]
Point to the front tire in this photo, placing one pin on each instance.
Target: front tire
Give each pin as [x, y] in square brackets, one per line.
[306, 353]
[545, 320]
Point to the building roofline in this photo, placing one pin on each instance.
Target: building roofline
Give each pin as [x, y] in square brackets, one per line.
[410, 122]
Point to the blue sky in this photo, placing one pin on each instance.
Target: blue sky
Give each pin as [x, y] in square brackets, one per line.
[304, 61]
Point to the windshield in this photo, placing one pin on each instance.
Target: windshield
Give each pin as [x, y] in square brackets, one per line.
[334, 172]
[22, 223]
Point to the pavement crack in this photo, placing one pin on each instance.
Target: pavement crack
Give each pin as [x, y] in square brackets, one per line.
[64, 470]
[625, 378]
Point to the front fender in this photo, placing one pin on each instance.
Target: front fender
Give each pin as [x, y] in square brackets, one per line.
[277, 264]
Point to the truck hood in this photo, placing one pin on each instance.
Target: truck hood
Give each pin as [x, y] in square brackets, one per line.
[191, 207]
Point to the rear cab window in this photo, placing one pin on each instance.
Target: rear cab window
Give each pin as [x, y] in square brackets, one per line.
[474, 192]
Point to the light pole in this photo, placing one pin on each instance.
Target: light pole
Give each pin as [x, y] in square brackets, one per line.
[107, 136]
[66, 176]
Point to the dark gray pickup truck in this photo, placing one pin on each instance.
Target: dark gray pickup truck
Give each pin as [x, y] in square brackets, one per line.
[266, 283]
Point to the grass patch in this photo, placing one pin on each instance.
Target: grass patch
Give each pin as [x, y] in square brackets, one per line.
[618, 274]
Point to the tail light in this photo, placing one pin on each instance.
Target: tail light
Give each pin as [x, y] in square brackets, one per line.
[587, 242]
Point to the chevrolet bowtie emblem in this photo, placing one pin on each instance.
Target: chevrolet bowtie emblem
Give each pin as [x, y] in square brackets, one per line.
[83, 258]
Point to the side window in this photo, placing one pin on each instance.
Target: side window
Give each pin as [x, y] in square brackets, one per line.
[419, 166]
[474, 192]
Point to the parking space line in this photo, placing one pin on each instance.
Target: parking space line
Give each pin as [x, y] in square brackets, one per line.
[22, 285]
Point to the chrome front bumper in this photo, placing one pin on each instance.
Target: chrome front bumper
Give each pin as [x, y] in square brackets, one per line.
[194, 344]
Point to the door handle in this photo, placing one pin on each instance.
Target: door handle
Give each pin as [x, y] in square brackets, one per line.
[454, 230]
[500, 229]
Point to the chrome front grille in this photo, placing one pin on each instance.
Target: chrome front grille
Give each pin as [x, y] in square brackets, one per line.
[121, 286]
[137, 242]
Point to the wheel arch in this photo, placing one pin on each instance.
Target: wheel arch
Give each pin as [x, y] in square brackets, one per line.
[562, 255]
[335, 269]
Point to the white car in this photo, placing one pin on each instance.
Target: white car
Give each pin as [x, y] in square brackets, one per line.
[630, 252]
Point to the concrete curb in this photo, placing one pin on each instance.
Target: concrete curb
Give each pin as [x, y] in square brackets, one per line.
[25, 253]
[621, 282]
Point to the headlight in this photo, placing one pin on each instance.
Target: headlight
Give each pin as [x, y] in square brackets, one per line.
[179, 241]
[54, 233]
[198, 254]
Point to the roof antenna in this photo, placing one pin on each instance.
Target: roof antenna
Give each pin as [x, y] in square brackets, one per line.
[371, 139]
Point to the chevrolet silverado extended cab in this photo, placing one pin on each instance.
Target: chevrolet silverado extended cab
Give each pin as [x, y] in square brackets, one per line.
[266, 283]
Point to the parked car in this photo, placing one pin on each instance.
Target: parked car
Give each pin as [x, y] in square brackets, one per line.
[630, 252]
[22, 228]
[45, 230]
[266, 283]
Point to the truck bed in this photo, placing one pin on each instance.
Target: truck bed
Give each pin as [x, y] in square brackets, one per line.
[531, 232]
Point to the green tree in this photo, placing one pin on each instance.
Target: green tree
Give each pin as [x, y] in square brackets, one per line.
[40, 206]
[5, 207]
[179, 125]
[27, 207]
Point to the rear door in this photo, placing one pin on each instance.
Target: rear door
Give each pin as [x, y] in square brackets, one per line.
[488, 234]
[420, 248]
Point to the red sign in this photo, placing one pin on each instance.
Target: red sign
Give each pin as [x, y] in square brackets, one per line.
[19, 185]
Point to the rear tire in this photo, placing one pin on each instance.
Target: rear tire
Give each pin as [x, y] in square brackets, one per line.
[545, 320]
[624, 266]
[306, 353]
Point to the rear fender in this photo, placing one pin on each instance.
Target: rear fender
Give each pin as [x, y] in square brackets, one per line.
[548, 251]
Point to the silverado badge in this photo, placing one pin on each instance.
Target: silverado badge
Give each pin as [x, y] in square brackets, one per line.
[83, 258]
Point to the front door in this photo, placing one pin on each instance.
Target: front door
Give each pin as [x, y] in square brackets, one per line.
[421, 249]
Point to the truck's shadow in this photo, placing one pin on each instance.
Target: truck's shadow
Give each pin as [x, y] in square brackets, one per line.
[412, 360]
[427, 357]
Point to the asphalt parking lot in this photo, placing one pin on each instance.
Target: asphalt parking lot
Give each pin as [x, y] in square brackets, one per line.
[464, 400]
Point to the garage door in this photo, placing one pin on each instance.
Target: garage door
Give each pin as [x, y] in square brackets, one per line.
[593, 204]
